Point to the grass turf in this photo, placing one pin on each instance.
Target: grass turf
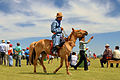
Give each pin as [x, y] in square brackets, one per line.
[26, 72]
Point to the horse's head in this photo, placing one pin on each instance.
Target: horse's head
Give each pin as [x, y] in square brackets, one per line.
[79, 33]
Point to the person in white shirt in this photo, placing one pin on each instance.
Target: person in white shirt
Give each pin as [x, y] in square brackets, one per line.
[116, 54]
[3, 50]
[8, 45]
[73, 59]
[50, 59]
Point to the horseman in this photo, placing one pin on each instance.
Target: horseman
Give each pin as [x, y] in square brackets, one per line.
[57, 36]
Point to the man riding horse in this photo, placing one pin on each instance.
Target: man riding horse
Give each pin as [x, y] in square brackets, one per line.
[57, 36]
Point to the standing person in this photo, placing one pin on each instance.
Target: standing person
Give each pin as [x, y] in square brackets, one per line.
[10, 53]
[3, 50]
[50, 59]
[23, 54]
[82, 53]
[27, 54]
[88, 60]
[89, 53]
[94, 56]
[56, 29]
[116, 54]
[18, 50]
[7, 56]
[106, 55]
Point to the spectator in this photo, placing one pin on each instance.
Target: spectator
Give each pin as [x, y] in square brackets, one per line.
[89, 53]
[18, 50]
[10, 53]
[47, 56]
[106, 55]
[73, 59]
[7, 56]
[50, 59]
[27, 54]
[94, 56]
[3, 50]
[116, 54]
[82, 53]
[23, 54]
[88, 60]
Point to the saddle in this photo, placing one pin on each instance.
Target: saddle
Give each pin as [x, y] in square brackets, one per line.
[60, 45]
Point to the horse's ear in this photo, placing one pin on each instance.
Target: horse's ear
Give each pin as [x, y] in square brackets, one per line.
[73, 29]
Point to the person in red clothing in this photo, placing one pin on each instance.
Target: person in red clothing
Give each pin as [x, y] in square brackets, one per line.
[94, 56]
[10, 53]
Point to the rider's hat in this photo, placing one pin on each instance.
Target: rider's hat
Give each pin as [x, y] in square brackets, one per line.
[59, 14]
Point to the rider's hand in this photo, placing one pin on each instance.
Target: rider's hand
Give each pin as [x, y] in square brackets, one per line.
[92, 37]
[61, 28]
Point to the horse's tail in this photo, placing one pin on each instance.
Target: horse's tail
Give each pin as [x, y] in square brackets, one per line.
[32, 52]
[33, 56]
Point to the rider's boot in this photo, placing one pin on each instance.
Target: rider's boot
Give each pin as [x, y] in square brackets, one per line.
[55, 49]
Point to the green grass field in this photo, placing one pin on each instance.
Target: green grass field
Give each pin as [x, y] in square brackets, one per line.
[26, 72]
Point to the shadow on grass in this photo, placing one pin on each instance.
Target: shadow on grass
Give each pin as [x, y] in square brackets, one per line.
[78, 69]
[41, 73]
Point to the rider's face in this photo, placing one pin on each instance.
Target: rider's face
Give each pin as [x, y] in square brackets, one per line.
[59, 18]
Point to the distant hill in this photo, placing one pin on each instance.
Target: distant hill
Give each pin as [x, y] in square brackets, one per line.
[96, 45]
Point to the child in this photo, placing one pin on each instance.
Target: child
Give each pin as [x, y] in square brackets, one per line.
[10, 52]
[27, 54]
[73, 59]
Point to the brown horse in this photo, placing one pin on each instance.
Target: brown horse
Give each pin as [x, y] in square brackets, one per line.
[44, 47]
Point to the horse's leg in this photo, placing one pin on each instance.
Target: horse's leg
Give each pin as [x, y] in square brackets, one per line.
[36, 54]
[66, 63]
[61, 64]
[35, 64]
[41, 61]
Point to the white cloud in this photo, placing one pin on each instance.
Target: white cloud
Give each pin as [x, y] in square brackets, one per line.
[41, 13]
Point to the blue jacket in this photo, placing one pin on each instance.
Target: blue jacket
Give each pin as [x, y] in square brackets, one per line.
[27, 53]
[55, 27]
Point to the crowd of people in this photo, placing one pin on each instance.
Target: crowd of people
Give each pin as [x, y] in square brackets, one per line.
[7, 53]
[109, 55]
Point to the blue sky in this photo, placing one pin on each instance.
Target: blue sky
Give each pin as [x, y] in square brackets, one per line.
[34, 17]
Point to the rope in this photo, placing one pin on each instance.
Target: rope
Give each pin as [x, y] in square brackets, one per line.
[64, 33]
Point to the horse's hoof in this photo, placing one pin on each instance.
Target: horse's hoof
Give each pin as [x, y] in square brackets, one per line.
[34, 72]
[68, 73]
[45, 71]
[54, 72]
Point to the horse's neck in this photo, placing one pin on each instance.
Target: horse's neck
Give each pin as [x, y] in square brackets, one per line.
[72, 38]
